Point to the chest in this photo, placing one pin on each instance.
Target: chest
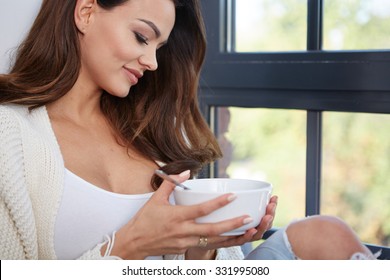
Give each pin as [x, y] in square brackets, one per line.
[96, 156]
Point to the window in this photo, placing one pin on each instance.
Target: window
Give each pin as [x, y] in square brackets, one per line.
[269, 25]
[256, 144]
[346, 21]
[318, 90]
[355, 172]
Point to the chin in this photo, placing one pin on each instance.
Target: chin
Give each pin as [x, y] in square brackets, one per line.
[119, 93]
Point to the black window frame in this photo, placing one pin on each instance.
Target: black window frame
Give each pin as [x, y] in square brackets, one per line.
[313, 80]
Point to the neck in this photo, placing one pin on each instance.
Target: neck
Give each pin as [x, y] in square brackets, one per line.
[81, 104]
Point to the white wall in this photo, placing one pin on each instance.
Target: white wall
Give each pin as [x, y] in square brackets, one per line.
[16, 17]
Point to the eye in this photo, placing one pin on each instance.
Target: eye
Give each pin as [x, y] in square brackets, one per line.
[140, 38]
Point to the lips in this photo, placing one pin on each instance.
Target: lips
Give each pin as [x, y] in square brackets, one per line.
[133, 75]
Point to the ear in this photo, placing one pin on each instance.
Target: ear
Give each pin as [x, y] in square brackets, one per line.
[83, 14]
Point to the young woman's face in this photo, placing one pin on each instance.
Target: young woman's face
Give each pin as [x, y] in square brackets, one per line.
[119, 45]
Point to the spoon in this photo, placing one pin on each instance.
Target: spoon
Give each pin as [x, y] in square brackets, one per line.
[165, 176]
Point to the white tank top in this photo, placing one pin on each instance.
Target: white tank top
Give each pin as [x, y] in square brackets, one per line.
[87, 213]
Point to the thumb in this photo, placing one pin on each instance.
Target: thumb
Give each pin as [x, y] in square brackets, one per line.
[166, 188]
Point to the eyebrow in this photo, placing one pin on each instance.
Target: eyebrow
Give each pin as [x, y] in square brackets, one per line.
[152, 25]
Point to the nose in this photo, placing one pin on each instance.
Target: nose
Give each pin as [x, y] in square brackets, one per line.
[149, 60]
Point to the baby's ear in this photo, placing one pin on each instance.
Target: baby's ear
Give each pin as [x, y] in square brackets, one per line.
[83, 14]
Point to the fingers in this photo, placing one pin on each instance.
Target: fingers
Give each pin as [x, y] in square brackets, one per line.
[271, 207]
[215, 242]
[265, 224]
[191, 232]
[270, 212]
[267, 220]
[166, 188]
[274, 199]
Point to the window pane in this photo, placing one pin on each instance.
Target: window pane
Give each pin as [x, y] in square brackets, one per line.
[269, 145]
[356, 173]
[270, 25]
[356, 24]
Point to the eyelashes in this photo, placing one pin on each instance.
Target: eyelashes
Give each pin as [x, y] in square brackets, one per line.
[140, 38]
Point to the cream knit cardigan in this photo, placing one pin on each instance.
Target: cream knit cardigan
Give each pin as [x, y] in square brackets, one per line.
[31, 184]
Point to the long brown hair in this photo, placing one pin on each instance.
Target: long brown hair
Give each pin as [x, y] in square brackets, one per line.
[160, 117]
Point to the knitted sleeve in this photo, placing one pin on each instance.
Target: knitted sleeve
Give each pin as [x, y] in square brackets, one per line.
[11, 247]
[18, 233]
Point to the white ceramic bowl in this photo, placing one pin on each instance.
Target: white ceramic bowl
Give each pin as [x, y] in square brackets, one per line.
[252, 199]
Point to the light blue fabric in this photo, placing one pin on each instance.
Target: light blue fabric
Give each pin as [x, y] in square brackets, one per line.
[276, 247]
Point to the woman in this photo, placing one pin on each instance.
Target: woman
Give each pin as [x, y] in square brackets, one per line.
[101, 94]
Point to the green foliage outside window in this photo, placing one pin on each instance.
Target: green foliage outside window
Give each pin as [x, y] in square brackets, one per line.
[270, 144]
